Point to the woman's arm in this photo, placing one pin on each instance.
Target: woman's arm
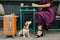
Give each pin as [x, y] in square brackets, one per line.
[42, 6]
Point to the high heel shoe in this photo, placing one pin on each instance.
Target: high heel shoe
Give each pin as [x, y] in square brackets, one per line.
[40, 35]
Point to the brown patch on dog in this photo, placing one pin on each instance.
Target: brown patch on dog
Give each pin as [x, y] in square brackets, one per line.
[26, 25]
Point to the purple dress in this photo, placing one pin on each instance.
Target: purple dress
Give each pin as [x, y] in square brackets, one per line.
[46, 15]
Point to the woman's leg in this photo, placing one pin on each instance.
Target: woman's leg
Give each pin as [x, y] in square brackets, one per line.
[39, 32]
[40, 22]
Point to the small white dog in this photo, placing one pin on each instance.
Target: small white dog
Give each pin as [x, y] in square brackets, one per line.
[25, 30]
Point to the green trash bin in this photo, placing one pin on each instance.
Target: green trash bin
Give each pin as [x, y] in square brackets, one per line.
[28, 14]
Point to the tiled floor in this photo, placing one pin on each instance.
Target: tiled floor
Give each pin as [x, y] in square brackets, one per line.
[50, 35]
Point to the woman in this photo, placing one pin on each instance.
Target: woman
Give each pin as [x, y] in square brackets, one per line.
[45, 16]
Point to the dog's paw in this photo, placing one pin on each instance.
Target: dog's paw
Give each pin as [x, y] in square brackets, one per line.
[23, 36]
